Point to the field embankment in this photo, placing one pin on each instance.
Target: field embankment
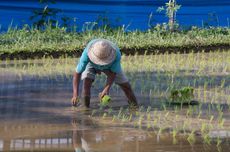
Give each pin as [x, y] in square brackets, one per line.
[31, 43]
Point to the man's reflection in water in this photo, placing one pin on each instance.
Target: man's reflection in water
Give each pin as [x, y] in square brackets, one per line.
[87, 137]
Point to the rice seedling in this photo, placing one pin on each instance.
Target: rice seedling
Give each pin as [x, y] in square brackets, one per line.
[110, 111]
[175, 141]
[211, 119]
[166, 115]
[207, 139]
[155, 122]
[164, 107]
[218, 141]
[189, 111]
[140, 120]
[219, 149]
[222, 83]
[191, 138]
[114, 117]
[93, 112]
[160, 131]
[221, 123]
[148, 109]
[149, 117]
[130, 117]
[148, 125]
[104, 115]
[220, 116]
[125, 118]
[199, 115]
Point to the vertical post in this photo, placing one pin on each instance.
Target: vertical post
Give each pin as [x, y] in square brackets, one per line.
[202, 23]
[217, 20]
[172, 14]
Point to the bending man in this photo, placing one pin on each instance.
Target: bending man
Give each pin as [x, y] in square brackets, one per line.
[100, 55]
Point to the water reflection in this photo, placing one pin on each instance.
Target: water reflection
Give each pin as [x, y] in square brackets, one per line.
[96, 139]
[37, 144]
[83, 135]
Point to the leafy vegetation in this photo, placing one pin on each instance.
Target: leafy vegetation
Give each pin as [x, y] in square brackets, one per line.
[184, 95]
[170, 10]
[33, 42]
[47, 15]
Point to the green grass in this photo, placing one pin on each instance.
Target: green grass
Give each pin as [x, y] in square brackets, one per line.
[58, 40]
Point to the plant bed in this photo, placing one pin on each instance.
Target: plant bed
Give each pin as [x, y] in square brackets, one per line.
[183, 96]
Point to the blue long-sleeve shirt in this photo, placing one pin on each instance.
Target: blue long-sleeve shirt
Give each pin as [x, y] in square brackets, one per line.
[115, 66]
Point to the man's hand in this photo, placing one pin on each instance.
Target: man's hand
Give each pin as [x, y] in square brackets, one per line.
[103, 93]
[75, 101]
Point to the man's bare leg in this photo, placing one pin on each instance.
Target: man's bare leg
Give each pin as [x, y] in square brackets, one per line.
[87, 83]
[126, 87]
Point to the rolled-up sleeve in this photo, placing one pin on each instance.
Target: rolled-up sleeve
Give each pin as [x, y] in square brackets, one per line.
[116, 66]
[84, 60]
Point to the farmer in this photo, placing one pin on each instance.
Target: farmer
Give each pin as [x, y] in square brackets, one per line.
[100, 55]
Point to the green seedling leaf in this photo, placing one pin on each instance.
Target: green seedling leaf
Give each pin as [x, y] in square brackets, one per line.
[105, 100]
[191, 138]
[183, 95]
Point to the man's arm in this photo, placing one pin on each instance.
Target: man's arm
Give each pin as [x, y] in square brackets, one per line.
[77, 76]
[76, 82]
[111, 74]
[110, 79]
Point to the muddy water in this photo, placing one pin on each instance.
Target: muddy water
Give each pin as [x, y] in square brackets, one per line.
[36, 115]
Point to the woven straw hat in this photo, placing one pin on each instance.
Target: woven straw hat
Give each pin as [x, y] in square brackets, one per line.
[102, 52]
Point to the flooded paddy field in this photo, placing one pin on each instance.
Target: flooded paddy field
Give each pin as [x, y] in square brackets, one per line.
[36, 112]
